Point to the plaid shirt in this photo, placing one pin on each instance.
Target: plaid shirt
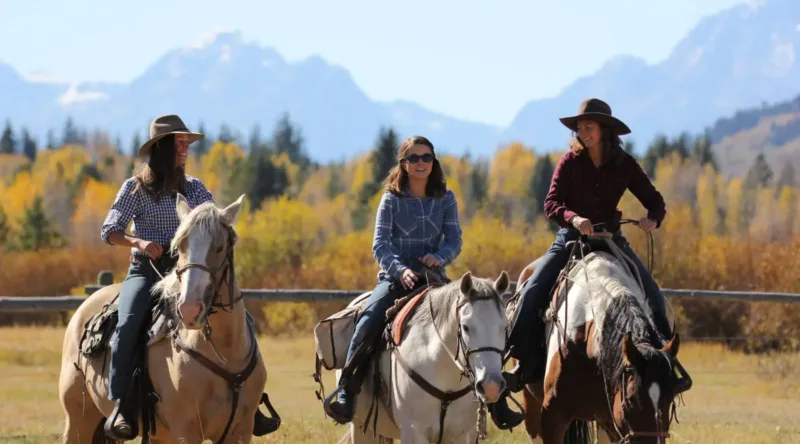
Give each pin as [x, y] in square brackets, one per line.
[154, 222]
[407, 228]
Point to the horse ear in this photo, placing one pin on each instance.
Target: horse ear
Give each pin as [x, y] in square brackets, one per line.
[630, 354]
[501, 284]
[182, 206]
[231, 212]
[673, 345]
[466, 283]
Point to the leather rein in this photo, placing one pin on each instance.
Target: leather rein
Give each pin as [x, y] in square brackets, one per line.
[446, 398]
[235, 380]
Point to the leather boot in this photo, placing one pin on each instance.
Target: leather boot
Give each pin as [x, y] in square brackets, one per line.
[521, 375]
[121, 425]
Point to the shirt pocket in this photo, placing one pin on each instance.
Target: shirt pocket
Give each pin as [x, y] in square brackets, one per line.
[406, 218]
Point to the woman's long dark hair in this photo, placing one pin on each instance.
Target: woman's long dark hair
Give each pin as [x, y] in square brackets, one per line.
[612, 144]
[397, 181]
[160, 176]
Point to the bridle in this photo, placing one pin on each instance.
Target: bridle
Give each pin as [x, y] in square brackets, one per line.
[465, 370]
[227, 269]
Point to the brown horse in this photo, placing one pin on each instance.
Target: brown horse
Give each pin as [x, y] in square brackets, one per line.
[605, 361]
[207, 372]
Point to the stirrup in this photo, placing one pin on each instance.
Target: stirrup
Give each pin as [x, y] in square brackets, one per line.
[111, 431]
[263, 424]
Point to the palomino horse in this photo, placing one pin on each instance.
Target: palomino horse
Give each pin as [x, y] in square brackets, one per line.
[447, 365]
[207, 372]
[605, 360]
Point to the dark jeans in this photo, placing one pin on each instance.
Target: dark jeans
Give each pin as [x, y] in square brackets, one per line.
[134, 309]
[535, 296]
[371, 319]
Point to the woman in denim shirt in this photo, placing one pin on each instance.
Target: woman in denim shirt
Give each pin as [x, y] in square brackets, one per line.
[416, 225]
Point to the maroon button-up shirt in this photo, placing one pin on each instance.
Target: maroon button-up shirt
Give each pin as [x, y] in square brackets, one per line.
[579, 188]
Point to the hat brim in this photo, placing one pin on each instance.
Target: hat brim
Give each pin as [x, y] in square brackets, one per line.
[618, 126]
[146, 149]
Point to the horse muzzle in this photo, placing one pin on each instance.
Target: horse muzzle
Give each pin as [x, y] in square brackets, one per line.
[191, 314]
[490, 388]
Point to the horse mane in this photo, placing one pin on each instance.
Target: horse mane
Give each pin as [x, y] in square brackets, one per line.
[606, 280]
[206, 217]
[626, 315]
[443, 298]
[619, 307]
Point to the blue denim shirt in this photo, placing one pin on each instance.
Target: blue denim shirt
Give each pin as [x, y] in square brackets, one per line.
[408, 227]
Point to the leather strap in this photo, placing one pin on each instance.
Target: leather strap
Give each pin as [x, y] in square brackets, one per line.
[445, 397]
[235, 380]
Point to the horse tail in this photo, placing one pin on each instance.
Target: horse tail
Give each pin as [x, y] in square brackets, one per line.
[99, 436]
[578, 432]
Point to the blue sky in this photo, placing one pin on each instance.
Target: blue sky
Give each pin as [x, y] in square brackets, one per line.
[477, 60]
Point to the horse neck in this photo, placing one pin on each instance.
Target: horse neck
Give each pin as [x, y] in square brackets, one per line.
[442, 332]
[229, 329]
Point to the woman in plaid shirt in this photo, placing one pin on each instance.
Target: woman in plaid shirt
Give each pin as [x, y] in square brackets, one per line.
[147, 199]
[417, 224]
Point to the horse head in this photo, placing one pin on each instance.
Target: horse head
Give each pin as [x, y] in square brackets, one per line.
[482, 332]
[645, 394]
[204, 243]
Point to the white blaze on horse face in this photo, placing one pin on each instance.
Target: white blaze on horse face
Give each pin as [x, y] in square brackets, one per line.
[483, 326]
[655, 395]
[195, 282]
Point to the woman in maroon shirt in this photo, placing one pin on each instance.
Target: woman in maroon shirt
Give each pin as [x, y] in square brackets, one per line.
[586, 187]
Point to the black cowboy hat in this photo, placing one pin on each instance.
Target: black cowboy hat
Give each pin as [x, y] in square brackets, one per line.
[164, 126]
[599, 111]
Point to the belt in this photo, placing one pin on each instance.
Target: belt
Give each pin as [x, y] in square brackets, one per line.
[163, 263]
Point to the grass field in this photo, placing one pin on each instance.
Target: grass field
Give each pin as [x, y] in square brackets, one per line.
[736, 398]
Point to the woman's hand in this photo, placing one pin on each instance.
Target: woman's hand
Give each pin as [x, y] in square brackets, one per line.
[646, 224]
[430, 261]
[408, 279]
[152, 249]
[583, 225]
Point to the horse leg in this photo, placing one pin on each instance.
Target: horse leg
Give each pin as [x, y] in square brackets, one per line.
[533, 409]
[82, 415]
[553, 425]
[242, 433]
[356, 435]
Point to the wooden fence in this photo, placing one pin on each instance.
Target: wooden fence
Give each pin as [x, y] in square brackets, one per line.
[41, 304]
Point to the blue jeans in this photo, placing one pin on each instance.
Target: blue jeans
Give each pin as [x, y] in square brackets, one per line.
[134, 310]
[527, 333]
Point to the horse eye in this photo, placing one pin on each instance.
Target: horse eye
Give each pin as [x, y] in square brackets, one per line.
[465, 328]
[219, 249]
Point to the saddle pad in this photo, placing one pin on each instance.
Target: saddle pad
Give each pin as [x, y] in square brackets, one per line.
[399, 322]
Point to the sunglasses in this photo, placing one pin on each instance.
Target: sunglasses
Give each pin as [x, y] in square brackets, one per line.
[414, 158]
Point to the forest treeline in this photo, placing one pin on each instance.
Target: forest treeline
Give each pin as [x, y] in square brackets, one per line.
[308, 225]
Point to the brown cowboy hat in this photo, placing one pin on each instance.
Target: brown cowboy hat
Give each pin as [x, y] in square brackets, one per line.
[164, 126]
[599, 111]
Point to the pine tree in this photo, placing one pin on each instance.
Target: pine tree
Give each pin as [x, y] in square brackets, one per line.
[37, 232]
[287, 139]
[28, 145]
[8, 145]
[478, 184]
[255, 139]
[136, 143]
[759, 174]
[51, 140]
[226, 134]
[629, 148]
[702, 152]
[71, 134]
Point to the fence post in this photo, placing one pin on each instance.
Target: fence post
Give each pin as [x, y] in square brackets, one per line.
[105, 278]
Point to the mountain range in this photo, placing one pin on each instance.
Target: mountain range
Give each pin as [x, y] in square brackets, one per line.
[741, 57]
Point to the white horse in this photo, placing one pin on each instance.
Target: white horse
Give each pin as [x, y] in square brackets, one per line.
[452, 343]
